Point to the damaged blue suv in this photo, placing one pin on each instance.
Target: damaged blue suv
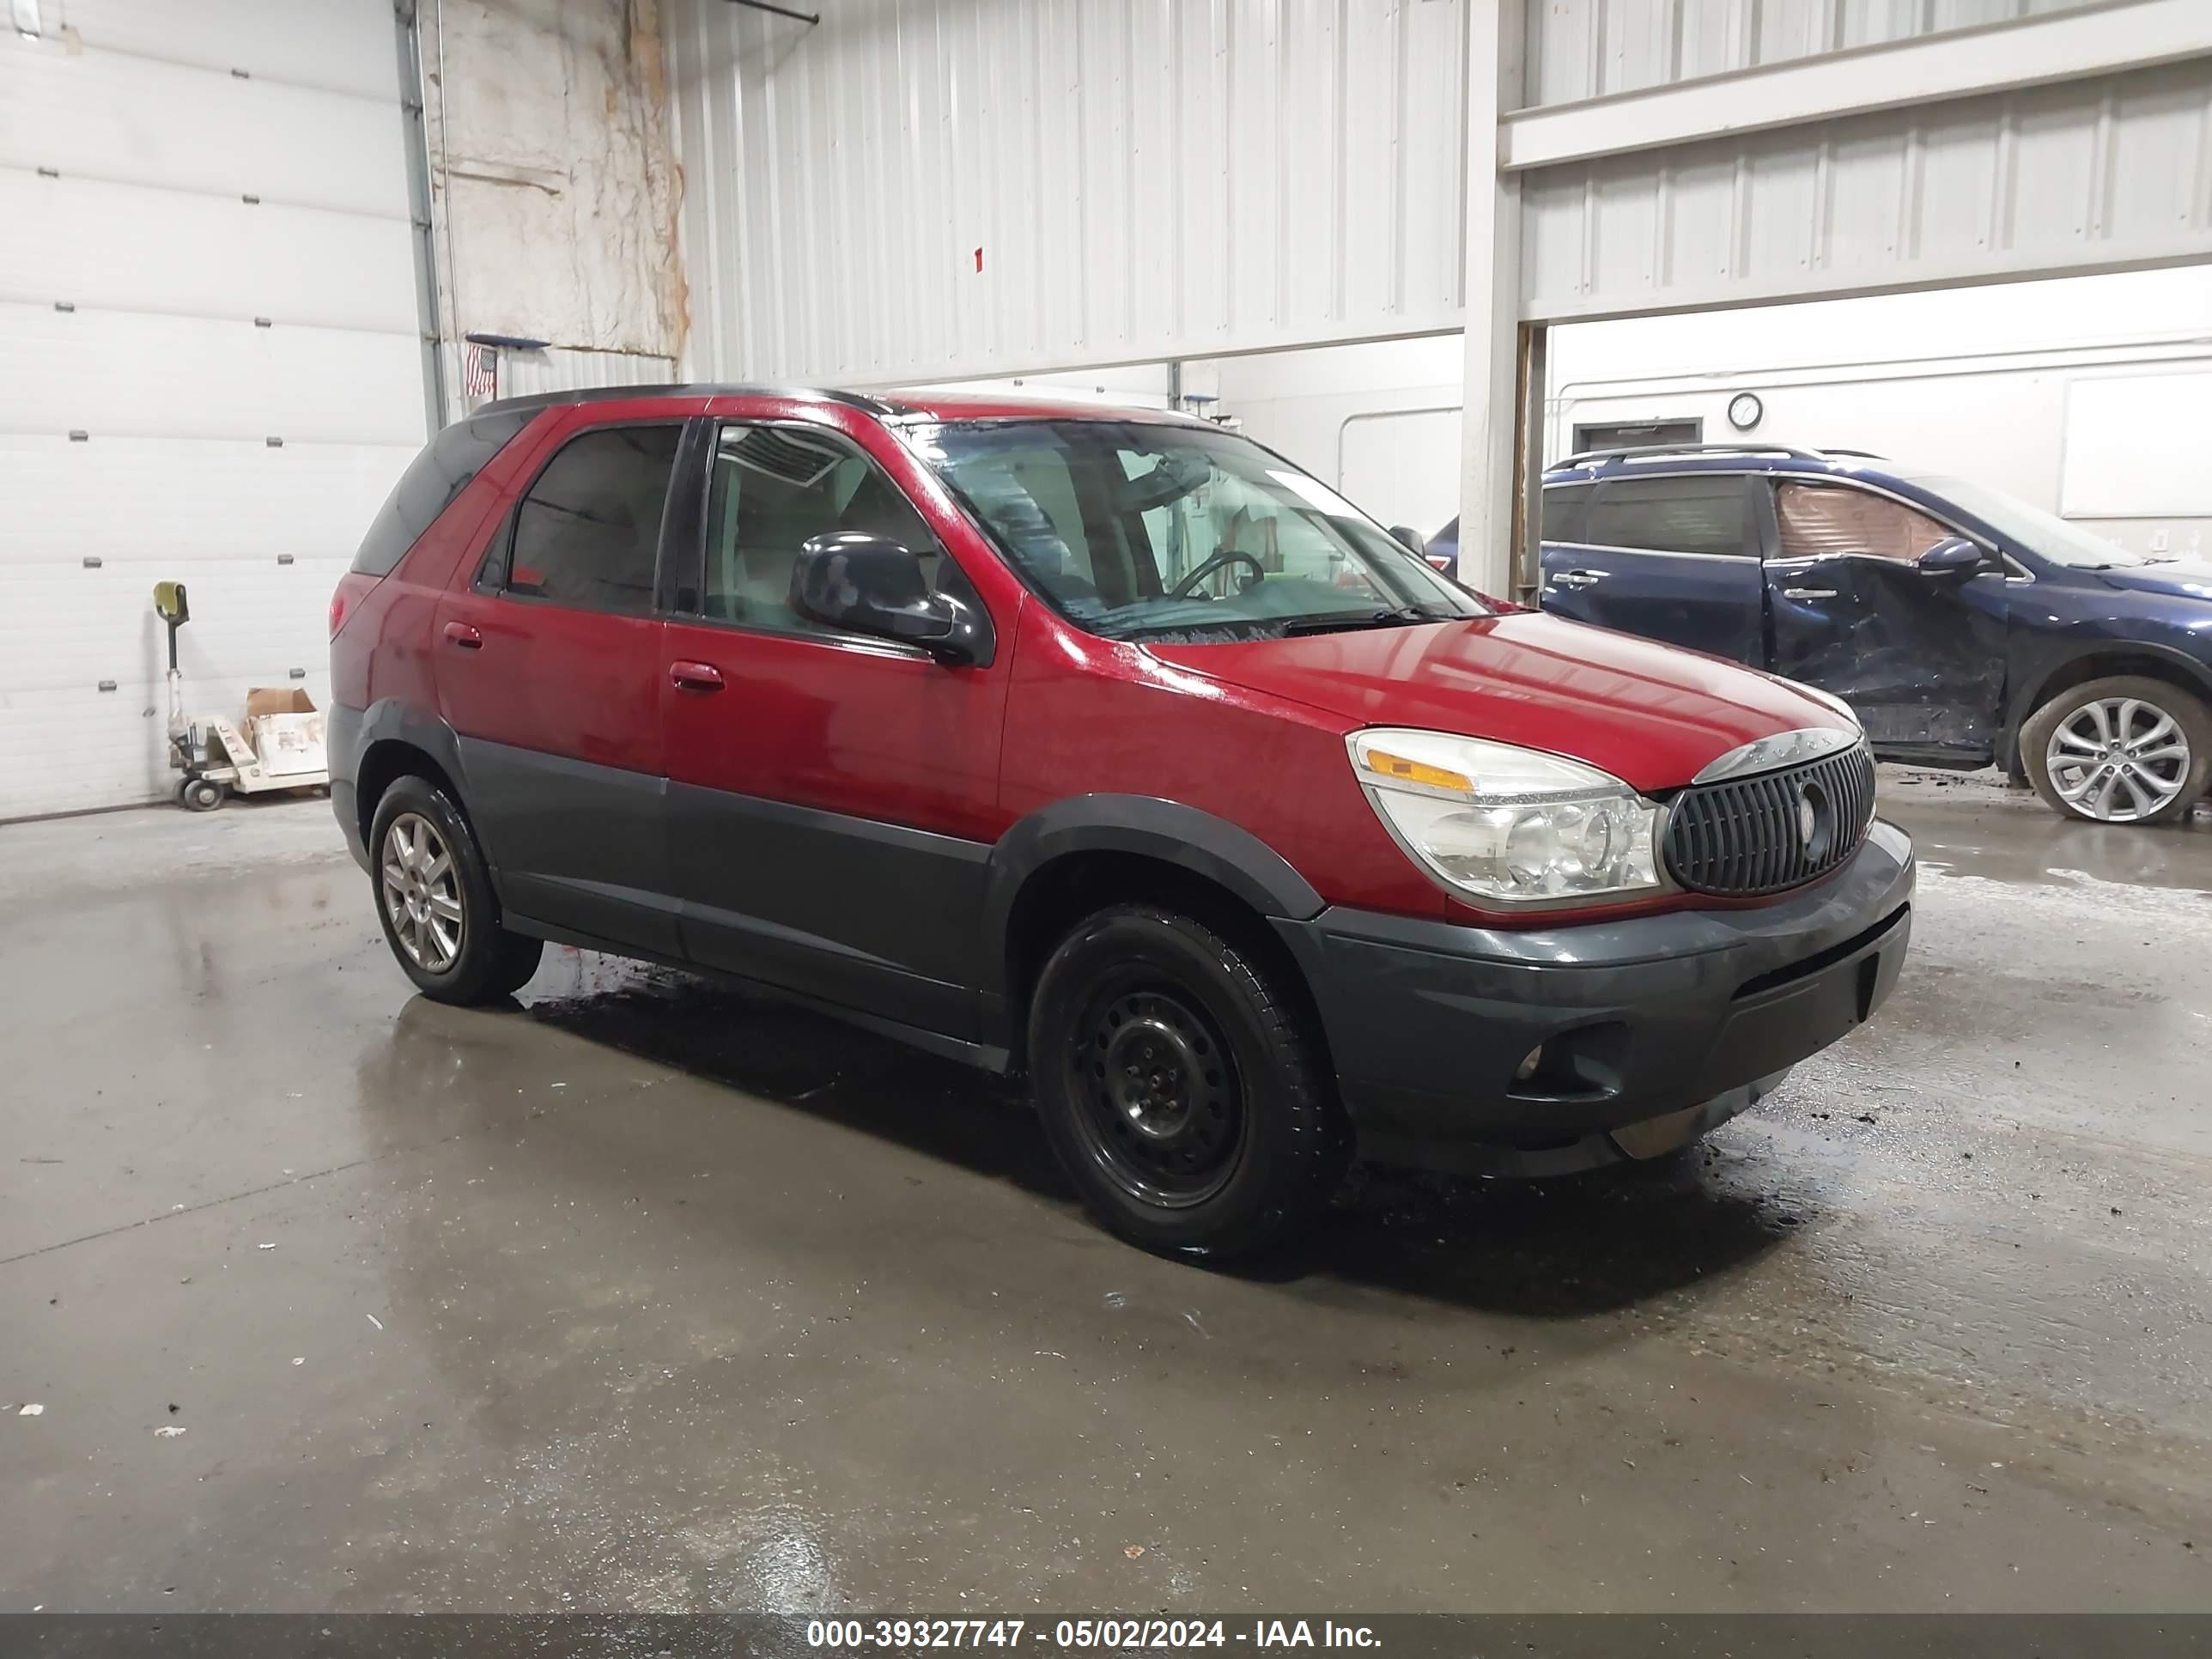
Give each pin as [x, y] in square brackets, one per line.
[1965, 628]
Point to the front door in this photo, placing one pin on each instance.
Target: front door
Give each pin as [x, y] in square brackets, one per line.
[549, 663]
[1919, 657]
[1672, 558]
[831, 797]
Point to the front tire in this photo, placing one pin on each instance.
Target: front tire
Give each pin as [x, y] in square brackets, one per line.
[436, 900]
[1180, 1086]
[200, 795]
[2126, 750]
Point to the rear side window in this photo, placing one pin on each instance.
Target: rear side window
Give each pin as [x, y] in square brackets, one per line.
[587, 533]
[1566, 511]
[1704, 513]
[431, 480]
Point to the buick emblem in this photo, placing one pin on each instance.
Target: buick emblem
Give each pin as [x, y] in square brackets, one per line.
[1815, 826]
[1808, 820]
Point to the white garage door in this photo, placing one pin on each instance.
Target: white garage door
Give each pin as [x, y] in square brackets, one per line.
[210, 362]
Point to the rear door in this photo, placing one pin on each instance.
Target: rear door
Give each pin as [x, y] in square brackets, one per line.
[1920, 658]
[1674, 558]
[548, 667]
[832, 797]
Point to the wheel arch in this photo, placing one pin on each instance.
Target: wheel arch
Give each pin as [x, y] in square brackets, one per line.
[395, 741]
[2101, 661]
[1078, 855]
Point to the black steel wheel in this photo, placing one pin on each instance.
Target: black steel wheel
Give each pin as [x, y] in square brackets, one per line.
[1161, 1108]
[1182, 1084]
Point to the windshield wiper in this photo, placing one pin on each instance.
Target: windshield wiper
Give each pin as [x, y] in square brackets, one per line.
[1404, 616]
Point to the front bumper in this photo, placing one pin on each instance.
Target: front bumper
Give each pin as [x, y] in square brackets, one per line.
[1689, 1016]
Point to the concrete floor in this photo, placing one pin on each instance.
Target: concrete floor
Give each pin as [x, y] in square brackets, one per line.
[654, 1296]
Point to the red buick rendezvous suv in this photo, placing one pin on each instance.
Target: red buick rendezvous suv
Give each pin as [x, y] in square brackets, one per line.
[1110, 747]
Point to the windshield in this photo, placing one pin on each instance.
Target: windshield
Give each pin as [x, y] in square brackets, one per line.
[1137, 531]
[2043, 534]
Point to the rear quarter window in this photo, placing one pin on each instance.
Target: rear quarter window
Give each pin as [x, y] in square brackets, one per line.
[429, 485]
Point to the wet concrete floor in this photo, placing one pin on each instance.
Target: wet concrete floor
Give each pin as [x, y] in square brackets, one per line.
[653, 1295]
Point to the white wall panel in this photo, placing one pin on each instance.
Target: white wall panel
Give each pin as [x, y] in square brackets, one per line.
[134, 373]
[135, 105]
[1145, 178]
[340, 44]
[148, 501]
[1582, 49]
[557, 369]
[2105, 174]
[112, 115]
[134, 247]
[2123, 433]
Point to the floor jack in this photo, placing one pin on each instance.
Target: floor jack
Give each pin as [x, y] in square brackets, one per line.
[284, 750]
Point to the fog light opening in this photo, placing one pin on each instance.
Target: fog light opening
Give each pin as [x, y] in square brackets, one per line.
[1529, 1064]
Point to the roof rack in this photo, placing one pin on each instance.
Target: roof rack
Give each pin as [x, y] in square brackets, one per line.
[1636, 450]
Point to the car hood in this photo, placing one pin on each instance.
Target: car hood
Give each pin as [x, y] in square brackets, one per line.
[1650, 714]
[2184, 579]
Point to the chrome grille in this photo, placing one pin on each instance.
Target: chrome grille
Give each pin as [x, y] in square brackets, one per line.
[1745, 836]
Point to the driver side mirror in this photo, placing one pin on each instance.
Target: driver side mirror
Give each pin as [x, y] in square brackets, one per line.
[873, 585]
[1410, 538]
[1952, 557]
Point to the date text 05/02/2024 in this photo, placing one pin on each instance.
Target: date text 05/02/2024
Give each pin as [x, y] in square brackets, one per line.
[1120, 1635]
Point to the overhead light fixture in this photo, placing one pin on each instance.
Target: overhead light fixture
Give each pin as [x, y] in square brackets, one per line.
[24, 15]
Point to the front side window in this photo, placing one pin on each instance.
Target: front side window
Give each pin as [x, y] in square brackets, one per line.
[1824, 521]
[1151, 531]
[587, 533]
[776, 488]
[1702, 512]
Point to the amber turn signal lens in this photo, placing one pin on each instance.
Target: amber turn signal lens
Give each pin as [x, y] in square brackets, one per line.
[1385, 764]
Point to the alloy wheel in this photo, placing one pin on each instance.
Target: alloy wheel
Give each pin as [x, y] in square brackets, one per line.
[422, 892]
[2118, 759]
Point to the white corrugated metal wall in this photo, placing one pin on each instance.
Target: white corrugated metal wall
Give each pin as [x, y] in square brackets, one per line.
[213, 366]
[1137, 178]
[1161, 178]
[2107, 173]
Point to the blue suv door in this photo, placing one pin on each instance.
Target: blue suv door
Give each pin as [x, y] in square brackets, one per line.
[1673, 557]
[1918, 654]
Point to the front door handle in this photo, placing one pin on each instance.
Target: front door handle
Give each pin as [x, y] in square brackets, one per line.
[460, 634]
[694, 677]
[1808, 593]
[1577, 578]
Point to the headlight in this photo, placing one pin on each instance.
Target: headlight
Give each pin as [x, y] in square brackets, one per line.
[1504, 822]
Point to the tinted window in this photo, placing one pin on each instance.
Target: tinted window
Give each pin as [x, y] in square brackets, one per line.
[1822, 521]
[1566, 509]
[1702, 514]
[776, 488]
[586, 533]
[432, 479]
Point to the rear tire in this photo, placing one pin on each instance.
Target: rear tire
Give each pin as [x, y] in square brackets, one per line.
[1180, 1086]
[200, 795]
[435, 902]
[2150, 739]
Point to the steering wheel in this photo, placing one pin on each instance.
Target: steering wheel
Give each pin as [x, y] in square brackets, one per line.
[1181, 590]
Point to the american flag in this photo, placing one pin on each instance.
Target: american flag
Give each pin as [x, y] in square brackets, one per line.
[480, 372]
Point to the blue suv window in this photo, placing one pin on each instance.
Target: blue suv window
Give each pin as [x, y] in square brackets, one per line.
[1697, 513]
[1566, 510]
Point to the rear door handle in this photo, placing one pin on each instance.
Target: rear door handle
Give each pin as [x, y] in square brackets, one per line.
[1577, 578]
[1808, 593]
[694, 677]
[461, 634]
